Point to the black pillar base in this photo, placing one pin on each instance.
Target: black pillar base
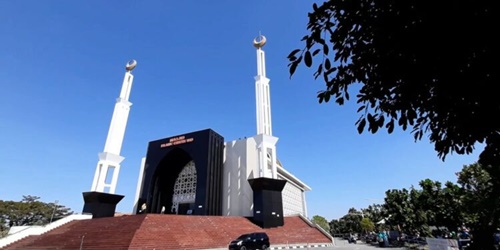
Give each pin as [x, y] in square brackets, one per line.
[267, 202]
[100, 204]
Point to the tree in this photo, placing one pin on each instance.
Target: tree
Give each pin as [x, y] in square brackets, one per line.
[29, 211]
[474, 202]
[443, 205]
[374, 212]
[402, 211]
[367, 225]
[337, 227]
[482, 203]
[351, 220]
[427, 65]
[322, 222]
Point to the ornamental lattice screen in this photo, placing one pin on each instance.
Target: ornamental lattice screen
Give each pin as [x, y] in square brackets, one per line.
[184, 187]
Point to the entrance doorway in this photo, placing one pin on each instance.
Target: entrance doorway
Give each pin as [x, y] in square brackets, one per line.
[185, 190]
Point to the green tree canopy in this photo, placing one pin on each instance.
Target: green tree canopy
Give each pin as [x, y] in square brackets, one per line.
[374, 212]
[322, 222]
[474, 202]
[481, 199]
[424, 65]
[337, 227]
[367, 225]
[29, 211]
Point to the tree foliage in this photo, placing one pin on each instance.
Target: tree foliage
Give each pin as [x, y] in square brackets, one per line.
[481, 199]
[349, 223]
[474, 201]
[431, 205]
[421, 65]
[322, 222]
[29, 211]
[367, 225]
[338, 227]
[374, 212]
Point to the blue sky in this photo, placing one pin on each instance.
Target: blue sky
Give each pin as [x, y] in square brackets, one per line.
[62, 66]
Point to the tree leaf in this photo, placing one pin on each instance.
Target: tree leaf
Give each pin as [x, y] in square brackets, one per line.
[340, 100]
[327, 64]
[308, 59]
[390, 126]
[316, 52]
[292, 54]
[293, 67]
[361, 125]
[321, 97]
[318, 71]
[327, 96]
[361, 108]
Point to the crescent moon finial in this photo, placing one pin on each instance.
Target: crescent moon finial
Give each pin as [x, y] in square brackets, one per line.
[259, 41]
[131, 65]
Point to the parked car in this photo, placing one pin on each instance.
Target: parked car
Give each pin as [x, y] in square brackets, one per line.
[258, 240]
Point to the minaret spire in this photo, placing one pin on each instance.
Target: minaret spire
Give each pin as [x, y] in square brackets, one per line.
[266, 142]
[262, 93]
[110, 159]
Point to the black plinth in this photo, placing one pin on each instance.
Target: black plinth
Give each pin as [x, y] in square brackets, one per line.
[267, 202]
[100, 204]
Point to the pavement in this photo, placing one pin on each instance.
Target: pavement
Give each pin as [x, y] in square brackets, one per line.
[339, 245]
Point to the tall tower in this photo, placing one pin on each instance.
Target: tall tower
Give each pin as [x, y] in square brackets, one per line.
[101, 200]
[266, 142]
[267, 198]
[110, 159]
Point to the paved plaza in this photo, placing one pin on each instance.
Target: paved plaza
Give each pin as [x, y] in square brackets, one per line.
[343, 244]
[339, 245]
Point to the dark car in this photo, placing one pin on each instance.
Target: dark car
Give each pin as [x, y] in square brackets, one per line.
[257, 240]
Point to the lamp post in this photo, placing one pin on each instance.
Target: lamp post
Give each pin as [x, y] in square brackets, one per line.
[53, 211]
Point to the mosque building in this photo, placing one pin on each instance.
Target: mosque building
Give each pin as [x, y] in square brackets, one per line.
[199, 173]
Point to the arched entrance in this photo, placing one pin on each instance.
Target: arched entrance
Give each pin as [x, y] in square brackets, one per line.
[184, 190]
[183, 175]
[175, 183]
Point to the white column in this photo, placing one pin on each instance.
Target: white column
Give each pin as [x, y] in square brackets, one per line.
[140, 182]
[110, 159]
[120, 116]
[262, 96]
[304, 204]
[266, 142]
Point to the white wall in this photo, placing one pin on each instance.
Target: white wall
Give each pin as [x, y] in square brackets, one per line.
[240, 164]
[293, 200]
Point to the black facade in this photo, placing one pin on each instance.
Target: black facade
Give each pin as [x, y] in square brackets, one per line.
[100, 204]
[267, 202]
[166, 158]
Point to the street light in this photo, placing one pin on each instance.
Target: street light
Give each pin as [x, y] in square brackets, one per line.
[54, 211]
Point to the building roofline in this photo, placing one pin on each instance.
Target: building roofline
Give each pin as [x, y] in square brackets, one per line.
[282, 171]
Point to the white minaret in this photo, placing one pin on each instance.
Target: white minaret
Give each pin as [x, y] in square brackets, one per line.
[108, 165]
[266, 142]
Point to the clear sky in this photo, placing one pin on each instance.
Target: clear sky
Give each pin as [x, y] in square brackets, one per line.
[61, 70]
